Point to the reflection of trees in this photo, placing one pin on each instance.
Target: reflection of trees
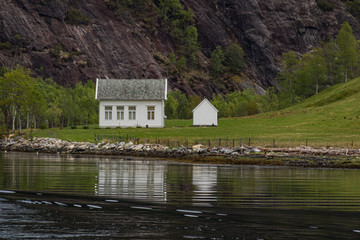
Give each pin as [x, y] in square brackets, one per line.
[47, 172]
[183, 183]
[284, 186]
[237, 184]
[179, 187]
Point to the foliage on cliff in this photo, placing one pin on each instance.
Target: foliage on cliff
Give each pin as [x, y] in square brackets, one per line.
[335, 62]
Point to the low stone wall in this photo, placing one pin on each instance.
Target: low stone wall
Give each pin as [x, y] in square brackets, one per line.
[52, 145]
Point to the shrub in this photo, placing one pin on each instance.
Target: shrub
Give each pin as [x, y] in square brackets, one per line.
[85, 127]
[43, 126]
[234, 58]
[75, 17]
[354, 8]
[73, 127]
[5, 45]
[324, 5]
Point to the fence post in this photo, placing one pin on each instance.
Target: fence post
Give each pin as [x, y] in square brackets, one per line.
[219, 142]
[273, 142]
[306, 142]
[249, 141]
[241, 143]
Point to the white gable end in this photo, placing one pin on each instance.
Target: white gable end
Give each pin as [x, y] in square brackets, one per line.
[205, 114]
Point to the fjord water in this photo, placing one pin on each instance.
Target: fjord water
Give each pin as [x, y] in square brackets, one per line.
[102, 197]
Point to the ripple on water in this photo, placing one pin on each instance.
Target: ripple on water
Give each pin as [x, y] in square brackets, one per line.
[7, 192]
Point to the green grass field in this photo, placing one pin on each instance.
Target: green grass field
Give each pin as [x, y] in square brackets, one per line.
[331, 118]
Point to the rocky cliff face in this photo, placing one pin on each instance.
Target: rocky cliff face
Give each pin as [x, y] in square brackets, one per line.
[35, 33]
[106, 47]
[266, 28]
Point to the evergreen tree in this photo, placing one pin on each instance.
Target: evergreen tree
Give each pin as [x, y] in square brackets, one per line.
[216, 61]
[234, 58]
[191, 40]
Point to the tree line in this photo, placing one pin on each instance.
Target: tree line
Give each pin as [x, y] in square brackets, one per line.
[334, 62]
[27, 102]
[234, 104]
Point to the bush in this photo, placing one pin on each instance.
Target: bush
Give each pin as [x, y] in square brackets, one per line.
[5, 45]
[43, 126]
[354, 8]
[73, 127]
[75, 17]
[234, 58]
[324, 5]
[2, 131]
[85, 127]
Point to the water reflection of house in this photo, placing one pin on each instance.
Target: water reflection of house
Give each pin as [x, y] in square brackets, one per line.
[132, 179]
[205, 183]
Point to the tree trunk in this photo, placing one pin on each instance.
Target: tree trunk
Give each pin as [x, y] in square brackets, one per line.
[32, 126]
[317, 87]
[27, 121]
[13, 119]
[346, 75]
[34, 121]
[19, 121]
[7, 122]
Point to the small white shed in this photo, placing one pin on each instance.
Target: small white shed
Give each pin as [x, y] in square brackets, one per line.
[205, 114]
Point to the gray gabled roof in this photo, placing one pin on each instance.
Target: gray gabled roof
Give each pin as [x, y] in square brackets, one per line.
[131, 89]
[205, 101]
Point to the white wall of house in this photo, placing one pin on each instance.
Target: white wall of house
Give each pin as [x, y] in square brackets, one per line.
[142, 113]
[205, 114]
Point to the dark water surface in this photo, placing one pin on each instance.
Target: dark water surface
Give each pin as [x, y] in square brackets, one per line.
[96, 197]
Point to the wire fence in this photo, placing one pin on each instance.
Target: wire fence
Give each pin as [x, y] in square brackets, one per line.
[227, 142]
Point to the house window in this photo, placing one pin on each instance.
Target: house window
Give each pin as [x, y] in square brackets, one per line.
[120, 112]
[132, 113]
[150, 112]
[108, 112]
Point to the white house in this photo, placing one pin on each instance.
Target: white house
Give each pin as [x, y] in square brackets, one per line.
[131, 102]
[205, 114]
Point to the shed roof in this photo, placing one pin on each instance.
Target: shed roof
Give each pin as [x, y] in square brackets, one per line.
[205, 101]
[131, 89]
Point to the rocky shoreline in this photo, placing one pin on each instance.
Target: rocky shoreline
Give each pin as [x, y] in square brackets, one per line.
[299, 156]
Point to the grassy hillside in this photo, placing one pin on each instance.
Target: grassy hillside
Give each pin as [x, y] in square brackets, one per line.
[331, 118]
